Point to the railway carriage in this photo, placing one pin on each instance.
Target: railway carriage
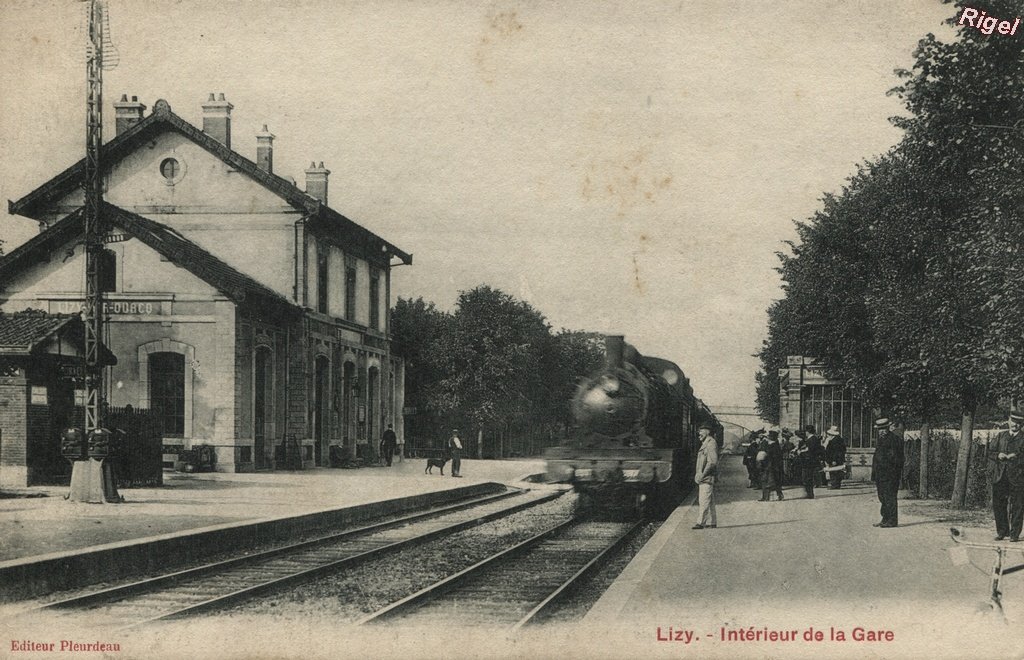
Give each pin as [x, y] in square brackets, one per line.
[636, 433]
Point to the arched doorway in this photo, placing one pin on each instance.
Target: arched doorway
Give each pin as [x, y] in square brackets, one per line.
[167, 392]
[263, 403]
[320, 389]
[348, 385]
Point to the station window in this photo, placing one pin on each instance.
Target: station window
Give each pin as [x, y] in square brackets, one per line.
[835, 405]
[107, 271]
[167, 392]
[321, 280]
[375, 302]
[350, 294]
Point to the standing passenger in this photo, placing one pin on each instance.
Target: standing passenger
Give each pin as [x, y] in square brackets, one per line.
[455, 449]
[787, 445]
[1005, 471]
[835, 456]
[771, 467]
[388, 444]
[886, 471]
[814, 448]
[704, 477]
[750, 462]
[776, 455]
[808, 464]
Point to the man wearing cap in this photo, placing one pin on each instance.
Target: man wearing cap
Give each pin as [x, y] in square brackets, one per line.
[835, 457]
[455, 449]
[704, 477]
[805, 464]
[811, 463]
[886, 470]
[750, 461]
[1005, 471]
[388, 444]
[771, 466]
[817, 454]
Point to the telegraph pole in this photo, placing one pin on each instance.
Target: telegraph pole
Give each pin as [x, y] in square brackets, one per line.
[93, 219]
[92, 479]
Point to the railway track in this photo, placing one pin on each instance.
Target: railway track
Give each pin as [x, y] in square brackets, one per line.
[518, 586]
[216, 585]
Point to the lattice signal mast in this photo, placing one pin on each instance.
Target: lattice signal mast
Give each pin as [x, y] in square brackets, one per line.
[100, 55]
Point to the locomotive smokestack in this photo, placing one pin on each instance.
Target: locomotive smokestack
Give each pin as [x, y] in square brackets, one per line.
[614, 346]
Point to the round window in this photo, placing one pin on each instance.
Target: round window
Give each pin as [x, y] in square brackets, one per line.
[170, 168]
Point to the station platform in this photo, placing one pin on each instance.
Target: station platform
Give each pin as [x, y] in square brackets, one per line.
[802, 565]
[39, 524]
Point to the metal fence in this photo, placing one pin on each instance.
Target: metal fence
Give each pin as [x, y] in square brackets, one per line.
[136, 451]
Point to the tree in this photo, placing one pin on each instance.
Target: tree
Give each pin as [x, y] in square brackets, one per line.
[825, 280]
[416, 326]
[491, 359]
[966, 153]
[915, 267]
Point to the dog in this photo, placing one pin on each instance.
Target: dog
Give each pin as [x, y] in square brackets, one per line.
[435, 463]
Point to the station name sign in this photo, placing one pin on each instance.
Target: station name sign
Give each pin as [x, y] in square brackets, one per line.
[129, 307]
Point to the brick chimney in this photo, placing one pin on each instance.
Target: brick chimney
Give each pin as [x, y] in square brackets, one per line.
[316, 181]
[217, 119]
[128, 113]
[265, 150]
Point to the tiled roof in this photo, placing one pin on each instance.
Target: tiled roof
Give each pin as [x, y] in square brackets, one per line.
[33, 204]
[174, 247]
[183, 252]
[21, 331]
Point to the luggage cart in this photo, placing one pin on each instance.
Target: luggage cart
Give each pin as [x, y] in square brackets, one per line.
[999, 568]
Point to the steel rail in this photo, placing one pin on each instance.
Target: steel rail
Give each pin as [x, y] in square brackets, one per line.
[452, 583]
[332, 566]
[172, 580]
[559, 594]
[142, 586]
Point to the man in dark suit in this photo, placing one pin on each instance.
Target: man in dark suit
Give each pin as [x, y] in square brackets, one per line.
[388, 444]
[750, 461]
[835, 457]
[886, 471]
[771, 466]
[812, 460]
[1005, 471]
[816, 453]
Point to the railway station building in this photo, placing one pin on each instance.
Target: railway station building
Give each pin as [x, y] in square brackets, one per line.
[808, 396]
[244, 311]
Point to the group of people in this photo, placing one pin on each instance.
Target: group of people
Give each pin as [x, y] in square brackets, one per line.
[1004, 470]
[812, 458]
[820, 461]
[453, 448]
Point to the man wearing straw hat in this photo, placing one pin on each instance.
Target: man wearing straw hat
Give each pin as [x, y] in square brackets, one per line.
[1005, 471]
[886, 470]
[704, 477]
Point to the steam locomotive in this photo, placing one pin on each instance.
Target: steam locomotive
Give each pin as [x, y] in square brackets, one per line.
[636, 433]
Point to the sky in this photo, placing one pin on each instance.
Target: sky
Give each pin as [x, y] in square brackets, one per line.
[625, 167]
